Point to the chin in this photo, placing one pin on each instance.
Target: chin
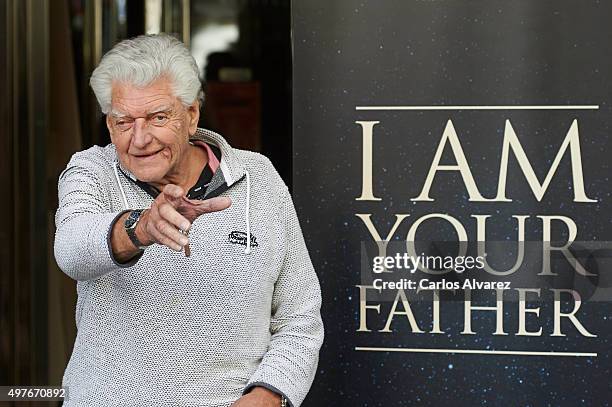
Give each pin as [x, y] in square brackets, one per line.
[149, 174]
[149, 177]
[151, 171]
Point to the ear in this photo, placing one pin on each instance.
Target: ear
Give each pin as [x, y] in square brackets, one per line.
[110, 128]
[193, 113]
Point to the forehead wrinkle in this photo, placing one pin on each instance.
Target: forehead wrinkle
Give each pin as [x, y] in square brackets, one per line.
[161, 108]
[119, 107]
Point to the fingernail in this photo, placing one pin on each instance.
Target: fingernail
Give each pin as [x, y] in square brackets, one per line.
[184, 241]
[185, 226]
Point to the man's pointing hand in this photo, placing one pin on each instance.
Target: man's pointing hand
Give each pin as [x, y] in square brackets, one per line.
[171, 213]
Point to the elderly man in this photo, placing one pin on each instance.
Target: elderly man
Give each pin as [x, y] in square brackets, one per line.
[195, 287]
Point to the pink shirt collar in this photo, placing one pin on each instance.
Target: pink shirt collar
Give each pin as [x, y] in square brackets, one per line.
[213, 161]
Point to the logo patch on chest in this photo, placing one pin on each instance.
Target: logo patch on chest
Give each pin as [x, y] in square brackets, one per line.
[237, 237]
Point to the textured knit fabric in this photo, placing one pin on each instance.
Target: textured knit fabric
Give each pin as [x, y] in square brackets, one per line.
[170, 330]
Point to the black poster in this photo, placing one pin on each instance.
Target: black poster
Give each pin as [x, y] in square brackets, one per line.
[452, 178]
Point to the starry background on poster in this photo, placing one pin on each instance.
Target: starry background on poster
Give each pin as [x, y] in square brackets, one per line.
[358, 53]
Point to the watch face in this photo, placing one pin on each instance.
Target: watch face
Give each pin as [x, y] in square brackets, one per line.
[132, 219]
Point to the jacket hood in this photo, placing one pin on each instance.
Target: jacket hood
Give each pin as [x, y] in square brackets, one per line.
[230, 165]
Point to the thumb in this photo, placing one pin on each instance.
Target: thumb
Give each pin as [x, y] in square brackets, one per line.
[173, 191]
[193, 208]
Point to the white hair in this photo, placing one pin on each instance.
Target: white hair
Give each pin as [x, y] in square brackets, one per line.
[142, 60]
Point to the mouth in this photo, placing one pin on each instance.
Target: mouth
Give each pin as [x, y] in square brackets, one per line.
[145, 156]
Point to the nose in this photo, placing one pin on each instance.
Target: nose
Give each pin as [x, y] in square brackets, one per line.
[140, 136]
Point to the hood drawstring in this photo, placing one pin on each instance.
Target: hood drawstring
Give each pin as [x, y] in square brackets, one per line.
[246, 215]
[125, 202]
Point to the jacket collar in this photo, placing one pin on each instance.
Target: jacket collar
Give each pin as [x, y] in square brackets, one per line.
[230, 165]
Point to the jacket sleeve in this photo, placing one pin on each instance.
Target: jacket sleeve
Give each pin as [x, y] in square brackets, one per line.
[289, 366]
[83, 224]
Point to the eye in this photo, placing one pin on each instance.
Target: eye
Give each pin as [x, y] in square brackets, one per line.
[160, 118]
[123, 124]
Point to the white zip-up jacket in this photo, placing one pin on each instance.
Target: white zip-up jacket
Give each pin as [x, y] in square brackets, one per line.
[170, 330]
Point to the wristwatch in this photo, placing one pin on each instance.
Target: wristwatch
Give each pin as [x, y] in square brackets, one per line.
[130, 228]
[284, 402]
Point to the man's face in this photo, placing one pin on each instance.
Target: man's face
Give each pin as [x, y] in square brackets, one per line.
[150, 129]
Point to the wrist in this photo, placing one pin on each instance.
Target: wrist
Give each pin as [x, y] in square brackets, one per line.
[131, 225]
[141, 232]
